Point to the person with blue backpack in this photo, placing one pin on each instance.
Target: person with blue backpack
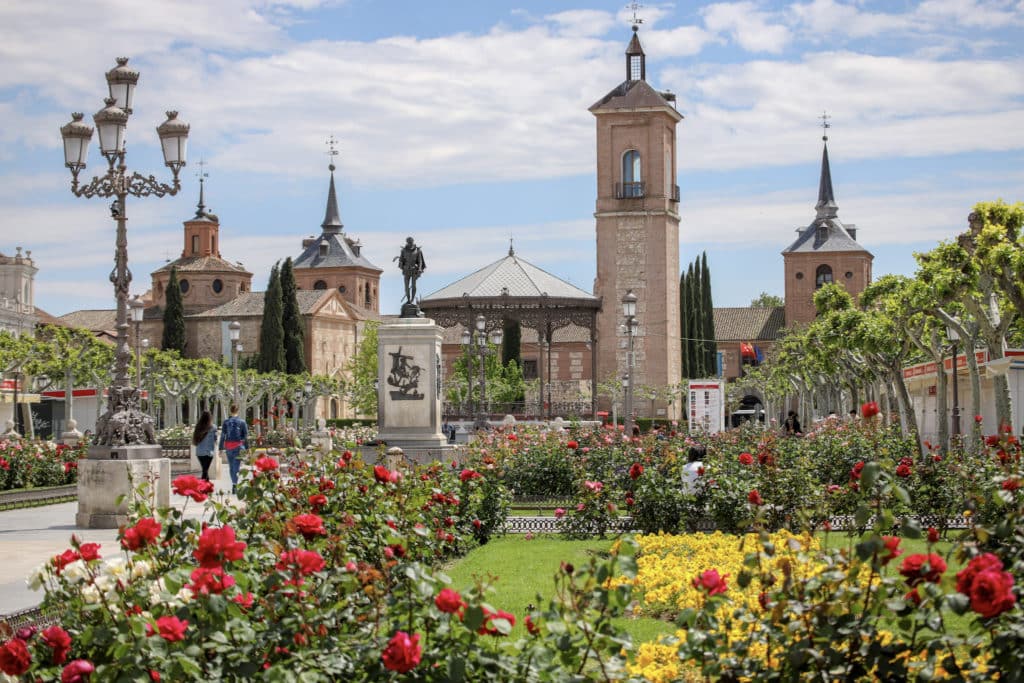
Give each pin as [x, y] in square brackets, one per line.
[234, 438]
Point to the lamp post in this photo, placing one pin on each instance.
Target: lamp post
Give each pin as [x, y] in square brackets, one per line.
[467, 340]
[235, 332]
[482, 351]
[138, 309]
[149, 368]
[629, 309]
[123, 423]
[17, 375]
[307, 395]
[954, 337]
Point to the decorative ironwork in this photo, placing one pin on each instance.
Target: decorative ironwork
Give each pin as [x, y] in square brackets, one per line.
[630, 190]
[405, 377]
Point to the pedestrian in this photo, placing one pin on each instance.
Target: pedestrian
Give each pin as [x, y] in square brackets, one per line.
[204, 438]
[234, 438]
[792, 425]
[693, 469]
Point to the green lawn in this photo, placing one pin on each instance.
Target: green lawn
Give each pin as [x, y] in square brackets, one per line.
[525, 568]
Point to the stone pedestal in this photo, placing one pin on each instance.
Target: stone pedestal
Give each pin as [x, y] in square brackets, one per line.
[72, 436]
[110, 472]
[409, 387]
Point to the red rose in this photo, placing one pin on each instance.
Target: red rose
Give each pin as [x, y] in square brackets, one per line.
[89, 551]
[918, 568]
[755, 498]
[635, 470]
[746, 459]
[531, 627]
[572, 445]
[448, 601]
[265, 464]
[306, 561]
[381, 474]
[402, 653]
[903, 470]
[477, 524]
[397, 550]
[869, 409]
[210, 581]
[766, 459]
[145, 531]
[77, 671]
[992, 440]
[170, 628]
[317, 501]
[58, 640]
[513, 437]
[193, 487]
[892, 546]
[933, 535]
[64, 559]
[243, 600]
[14, 657]
[154, 675]
[978, 419]
[466, 475]
[988, 586]
[309, 525]
[346, 456]
[216, 546]
[913, 596]
[488, 628]
[1011, 485]
[711, 581]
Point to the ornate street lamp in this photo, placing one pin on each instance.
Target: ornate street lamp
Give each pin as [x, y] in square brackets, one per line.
[482, 351]
[954, 337]
[307, 395]
[123, 423]
[629, 310]
[235, 332]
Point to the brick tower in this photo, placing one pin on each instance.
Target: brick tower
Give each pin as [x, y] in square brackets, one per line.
[637, 221]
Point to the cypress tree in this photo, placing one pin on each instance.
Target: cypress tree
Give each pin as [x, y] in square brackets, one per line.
[294, 335]
[698, 319]
[511, 341]
[684, 327]
[710, 347]
[174, 317]
[272, 328]
[693, 358]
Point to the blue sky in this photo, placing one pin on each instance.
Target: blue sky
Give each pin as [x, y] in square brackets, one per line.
[465, 123]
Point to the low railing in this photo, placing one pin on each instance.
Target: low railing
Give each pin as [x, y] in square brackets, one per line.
[531, 410]
[176, 449]
[630, 190]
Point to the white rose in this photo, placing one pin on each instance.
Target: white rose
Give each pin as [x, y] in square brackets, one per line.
[91, 595]
[141, 569]
[76, 572]
[117, 568]
[38, 576]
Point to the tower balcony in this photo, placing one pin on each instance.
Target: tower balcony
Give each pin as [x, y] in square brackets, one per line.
[675, 193]
[630, 190]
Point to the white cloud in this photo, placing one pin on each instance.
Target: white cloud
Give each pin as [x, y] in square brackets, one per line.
[748, 26]
[823, 19]
[582, 22]
[972, 13]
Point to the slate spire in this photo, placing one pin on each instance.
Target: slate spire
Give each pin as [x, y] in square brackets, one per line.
[332, 219]
[635, 59]
[826, 206]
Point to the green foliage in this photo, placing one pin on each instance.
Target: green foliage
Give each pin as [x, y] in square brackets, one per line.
[272, 354]
[291, 321]
[362, 373]
[696, 321]
[174, 317]
[766, 300]
[25, 464]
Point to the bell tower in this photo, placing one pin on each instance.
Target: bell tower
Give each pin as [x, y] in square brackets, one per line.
[637, 225]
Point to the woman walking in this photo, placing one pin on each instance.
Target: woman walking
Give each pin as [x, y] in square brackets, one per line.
[204, 438]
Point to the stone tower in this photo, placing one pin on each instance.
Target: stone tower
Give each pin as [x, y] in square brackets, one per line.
[336, 261]
[637, 221]
[825, 251]
[206, 280]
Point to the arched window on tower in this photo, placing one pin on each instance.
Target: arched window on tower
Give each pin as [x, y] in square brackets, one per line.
[367, 298]
[319, 284]
[195, 244]
[632, 177]
[822, 276]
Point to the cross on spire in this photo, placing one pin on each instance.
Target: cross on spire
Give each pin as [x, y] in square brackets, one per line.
[332, 150]
[825, 125]
[635, 7]
[202, 175]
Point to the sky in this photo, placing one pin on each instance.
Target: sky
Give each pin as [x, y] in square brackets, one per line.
[466, 124]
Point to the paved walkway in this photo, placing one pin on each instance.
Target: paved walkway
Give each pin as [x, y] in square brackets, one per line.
[31, 536]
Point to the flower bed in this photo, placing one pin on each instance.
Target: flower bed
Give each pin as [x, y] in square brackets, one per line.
[327, 573]
[31, 464]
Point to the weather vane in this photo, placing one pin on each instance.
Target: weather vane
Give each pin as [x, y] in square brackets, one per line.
[202, 175]
[825, 125]
[635, 6]
[332, 150]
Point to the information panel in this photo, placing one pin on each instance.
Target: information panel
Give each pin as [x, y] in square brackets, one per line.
[707, 406]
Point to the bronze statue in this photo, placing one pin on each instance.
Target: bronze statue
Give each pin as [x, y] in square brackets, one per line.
[412, 264]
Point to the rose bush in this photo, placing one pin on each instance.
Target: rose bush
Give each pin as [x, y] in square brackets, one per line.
[28, 464]
[273, 590]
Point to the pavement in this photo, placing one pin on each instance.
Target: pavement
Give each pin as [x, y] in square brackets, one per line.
[32, 536]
